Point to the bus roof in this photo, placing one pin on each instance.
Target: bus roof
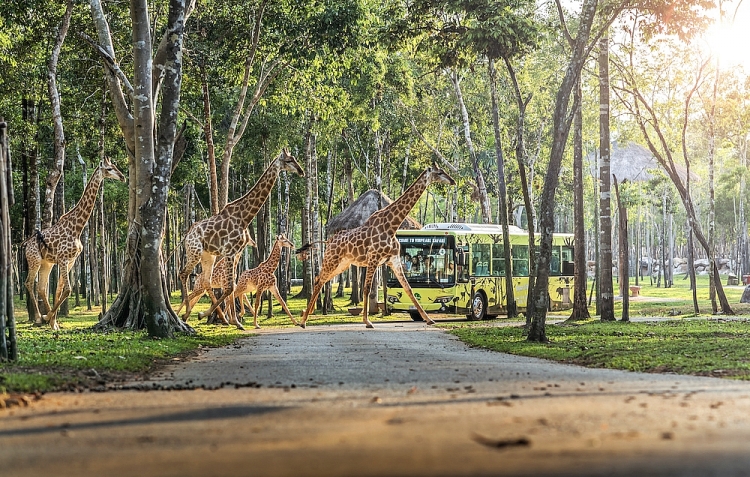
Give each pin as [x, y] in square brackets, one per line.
[476, 228]
[463, 229]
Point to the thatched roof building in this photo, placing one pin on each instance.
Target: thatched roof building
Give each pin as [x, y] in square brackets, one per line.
[361, 210]
[634, 163]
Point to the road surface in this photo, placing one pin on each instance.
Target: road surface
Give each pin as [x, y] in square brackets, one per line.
[403, 399]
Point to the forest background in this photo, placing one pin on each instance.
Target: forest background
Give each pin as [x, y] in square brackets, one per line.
[366, 94]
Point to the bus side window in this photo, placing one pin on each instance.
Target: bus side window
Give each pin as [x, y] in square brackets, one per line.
[520, 254]
[567, 261]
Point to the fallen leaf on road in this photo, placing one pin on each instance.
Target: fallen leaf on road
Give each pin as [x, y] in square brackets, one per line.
[501, 443]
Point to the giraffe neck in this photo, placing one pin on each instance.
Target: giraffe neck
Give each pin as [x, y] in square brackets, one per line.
[247, 206]
[78, 216]
[273, 259]
[395, 213]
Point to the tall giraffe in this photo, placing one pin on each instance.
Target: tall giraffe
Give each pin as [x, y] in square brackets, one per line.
[375, 242]
[225, 234]
[262, 278]
[60, 244]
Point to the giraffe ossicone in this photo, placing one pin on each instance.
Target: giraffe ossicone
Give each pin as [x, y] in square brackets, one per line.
[374, 243]
[60, 244]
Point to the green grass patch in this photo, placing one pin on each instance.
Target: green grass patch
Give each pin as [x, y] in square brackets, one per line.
[689, 346]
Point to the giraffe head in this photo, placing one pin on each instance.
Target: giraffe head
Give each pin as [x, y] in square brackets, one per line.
[435, 174]
[110, 171]
[288, 163]
[284, 242]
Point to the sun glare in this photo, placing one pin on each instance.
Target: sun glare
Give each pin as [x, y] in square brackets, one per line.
[730, 39]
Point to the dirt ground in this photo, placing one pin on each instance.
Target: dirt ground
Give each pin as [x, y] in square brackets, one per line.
[402, 399]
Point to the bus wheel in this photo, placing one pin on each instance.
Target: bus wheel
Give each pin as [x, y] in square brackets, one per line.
[415, 316]
[478, 307]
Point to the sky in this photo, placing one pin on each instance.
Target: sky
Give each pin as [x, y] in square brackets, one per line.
[731, 40]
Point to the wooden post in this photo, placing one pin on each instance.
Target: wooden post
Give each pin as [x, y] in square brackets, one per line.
[8, 347]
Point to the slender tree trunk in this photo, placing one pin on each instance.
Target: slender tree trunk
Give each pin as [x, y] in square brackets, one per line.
[502, 193]
[580, 307]
[712, 194]
[484, 201]
[56, 172]
[210, 148]
[624, 258]
[353, 270]
[605, 208]
[525, 187]
[8, 345]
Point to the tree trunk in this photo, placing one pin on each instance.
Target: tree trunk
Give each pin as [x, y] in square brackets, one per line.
[624, 258]
[8, 345]
[502, 193]
[605, 208]
[56, 172]
[210, 149]
[712, 194]
[580, 307]
[525, 188]
[561, 128]
[32, 200]
[144, 299]
[484, 201]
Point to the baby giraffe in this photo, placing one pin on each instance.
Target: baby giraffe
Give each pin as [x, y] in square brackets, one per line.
[262, 278]
[218, 280]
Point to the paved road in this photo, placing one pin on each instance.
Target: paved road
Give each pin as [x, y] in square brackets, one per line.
[402, 399]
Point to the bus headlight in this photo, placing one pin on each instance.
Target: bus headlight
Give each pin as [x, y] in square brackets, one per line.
[392, 299]
[442, 299]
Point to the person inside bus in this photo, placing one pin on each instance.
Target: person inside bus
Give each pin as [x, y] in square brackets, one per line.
[415, 264]
[407, 263]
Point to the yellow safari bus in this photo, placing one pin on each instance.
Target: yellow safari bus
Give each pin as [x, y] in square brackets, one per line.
[460, 268]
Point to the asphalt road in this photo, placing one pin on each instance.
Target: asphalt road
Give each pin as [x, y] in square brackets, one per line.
[402, 399]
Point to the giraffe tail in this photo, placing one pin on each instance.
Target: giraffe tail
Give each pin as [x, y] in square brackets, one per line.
[40, 239]
[304, 251]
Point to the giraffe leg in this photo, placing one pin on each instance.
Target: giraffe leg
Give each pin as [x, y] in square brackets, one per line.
[275, 292]
[227, 290]
[34, 266]
[207, 266]
[229, 301]
[63, 292]
[192, 261]
[42, 288]
[326, 274]
[243, 300]
[258, 298]
[395, 264]
[193, 298]
[371, 267]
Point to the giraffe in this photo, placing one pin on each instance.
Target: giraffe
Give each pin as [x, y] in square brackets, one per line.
[374, 243]
[218, 280]
[262, 278]
[60, 244]
[225, 234]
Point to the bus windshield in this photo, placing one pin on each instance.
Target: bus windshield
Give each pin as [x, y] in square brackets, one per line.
[426, 261]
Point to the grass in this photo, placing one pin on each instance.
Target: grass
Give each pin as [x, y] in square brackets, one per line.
[688, 346]
[701, 344]
[78, 357]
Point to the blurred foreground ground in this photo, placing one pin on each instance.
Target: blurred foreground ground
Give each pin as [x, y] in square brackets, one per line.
[402, 399]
